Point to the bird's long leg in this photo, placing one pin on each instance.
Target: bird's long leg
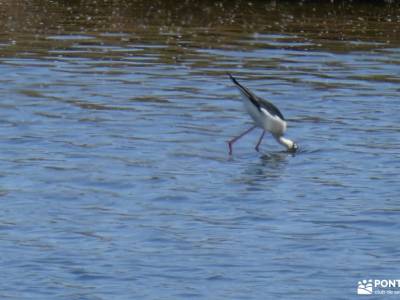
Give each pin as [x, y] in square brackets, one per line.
[259, 141]
[230, 143]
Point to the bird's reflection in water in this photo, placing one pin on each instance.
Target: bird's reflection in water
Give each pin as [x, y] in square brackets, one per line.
[269, 167]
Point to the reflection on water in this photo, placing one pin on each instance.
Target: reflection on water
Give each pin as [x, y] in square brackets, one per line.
[115, 177]
[270, 168]
[123, 28]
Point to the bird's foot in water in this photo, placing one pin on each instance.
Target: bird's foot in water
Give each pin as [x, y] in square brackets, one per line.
[230, 147]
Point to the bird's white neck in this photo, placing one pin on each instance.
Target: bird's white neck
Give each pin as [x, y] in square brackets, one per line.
[285, 142]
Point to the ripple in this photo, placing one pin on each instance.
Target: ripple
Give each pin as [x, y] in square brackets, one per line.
[68, 37]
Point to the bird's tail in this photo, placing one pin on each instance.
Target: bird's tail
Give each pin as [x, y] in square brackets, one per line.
[246, 93]
[233, 79]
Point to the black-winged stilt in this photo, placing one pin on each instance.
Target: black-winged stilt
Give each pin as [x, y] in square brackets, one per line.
[266, 116]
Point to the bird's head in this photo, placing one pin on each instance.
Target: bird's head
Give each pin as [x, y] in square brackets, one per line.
[289, 144]
[294, 147]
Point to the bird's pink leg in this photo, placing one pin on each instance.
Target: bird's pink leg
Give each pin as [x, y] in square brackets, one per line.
[230, 143]
[259, 141]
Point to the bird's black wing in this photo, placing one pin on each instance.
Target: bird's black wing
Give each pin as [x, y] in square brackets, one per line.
[257, 101]
[253, 98]
[272, 109]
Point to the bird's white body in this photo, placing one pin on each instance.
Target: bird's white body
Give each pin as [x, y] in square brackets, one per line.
[264, 119]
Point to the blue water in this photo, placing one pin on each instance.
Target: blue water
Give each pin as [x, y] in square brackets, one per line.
[116, 183]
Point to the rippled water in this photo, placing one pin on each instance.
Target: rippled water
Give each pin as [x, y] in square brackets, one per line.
[115, 175]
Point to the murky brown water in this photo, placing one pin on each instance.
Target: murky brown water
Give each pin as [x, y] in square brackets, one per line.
[115, 179]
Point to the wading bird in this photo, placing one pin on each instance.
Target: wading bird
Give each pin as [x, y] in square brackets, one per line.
[266, 116]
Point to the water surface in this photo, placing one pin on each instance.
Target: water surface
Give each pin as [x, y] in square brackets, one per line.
[115, 177]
